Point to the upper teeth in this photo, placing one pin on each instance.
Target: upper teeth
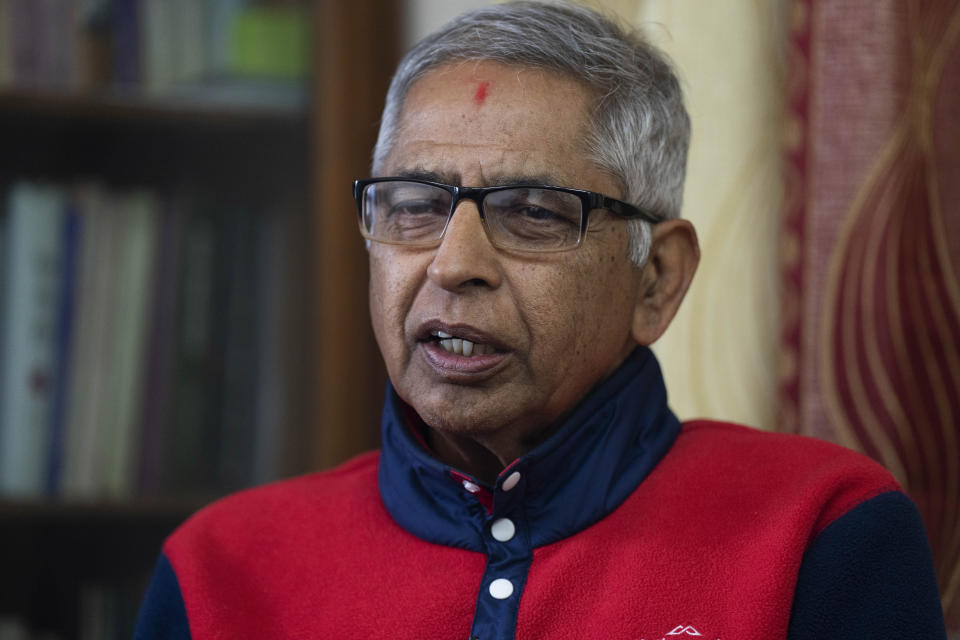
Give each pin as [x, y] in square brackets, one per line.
[461, 346]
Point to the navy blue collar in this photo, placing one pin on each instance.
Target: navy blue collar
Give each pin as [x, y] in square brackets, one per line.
[581, 473]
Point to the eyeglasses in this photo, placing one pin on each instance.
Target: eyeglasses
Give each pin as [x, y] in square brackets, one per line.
[534, 218]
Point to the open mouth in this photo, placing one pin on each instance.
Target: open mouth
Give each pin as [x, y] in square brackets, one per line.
[460, 346]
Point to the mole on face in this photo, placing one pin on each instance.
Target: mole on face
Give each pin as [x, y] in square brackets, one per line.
[481, 95]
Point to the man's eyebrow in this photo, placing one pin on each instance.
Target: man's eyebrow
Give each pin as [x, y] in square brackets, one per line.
[515, 179]
[432, 176]
[496, 180]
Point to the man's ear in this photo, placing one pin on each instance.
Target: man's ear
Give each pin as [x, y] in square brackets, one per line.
[665, 278]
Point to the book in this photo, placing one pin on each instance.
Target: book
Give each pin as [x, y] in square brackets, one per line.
[114, 303]
[6, 49]
[158, 45]
[58, 42]
[67, 31]
[269, 431]
[88, 393]
[126, 23]
[271, 41]
[239, 324]
[220, 18]
[28, 334]
[283, 263]
[175, 44]
[124, 373]
[91, 60]
[64, 341]
[157, 406]
[25, 54]
[164, 364]
[4, 224]
[190, 25]
[190, 437]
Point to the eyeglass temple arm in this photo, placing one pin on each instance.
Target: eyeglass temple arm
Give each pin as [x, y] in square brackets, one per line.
[627, 210]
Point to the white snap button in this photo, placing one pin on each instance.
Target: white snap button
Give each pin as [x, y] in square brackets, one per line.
[511, 481]
[501, 588]
[503, 529]
[471, 487]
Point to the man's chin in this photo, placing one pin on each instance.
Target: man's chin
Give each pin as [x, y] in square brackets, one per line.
[461, 420]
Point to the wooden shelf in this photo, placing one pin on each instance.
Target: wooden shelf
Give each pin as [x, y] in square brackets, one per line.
[57, 511]
[145, 141]
[50, 549]
[208, 108]
[99, 539]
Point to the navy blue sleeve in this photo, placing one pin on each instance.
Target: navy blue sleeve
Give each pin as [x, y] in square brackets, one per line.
[869, 574]
[162, 614]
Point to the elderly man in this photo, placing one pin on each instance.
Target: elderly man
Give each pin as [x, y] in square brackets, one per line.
[525, 248]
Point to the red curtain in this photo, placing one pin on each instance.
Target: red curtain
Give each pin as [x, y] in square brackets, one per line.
[871, 247]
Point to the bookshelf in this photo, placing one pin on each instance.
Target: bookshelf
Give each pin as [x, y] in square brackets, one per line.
[290, 155]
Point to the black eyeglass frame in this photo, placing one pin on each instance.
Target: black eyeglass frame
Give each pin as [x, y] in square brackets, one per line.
[589, 201]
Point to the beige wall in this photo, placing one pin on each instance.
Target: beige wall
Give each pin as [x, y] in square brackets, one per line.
[422, 17]
[719, 355]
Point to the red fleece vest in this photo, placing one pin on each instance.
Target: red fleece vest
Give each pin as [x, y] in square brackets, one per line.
[708, 546]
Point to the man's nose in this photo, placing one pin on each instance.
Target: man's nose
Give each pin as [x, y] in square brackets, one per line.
[465, 256]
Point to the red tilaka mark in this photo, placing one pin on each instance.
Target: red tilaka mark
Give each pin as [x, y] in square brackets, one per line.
[481, 95]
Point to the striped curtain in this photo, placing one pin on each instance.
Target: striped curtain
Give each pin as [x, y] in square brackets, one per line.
[870, 343]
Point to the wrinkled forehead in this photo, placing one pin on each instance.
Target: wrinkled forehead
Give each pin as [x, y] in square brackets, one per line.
[493, 110]
[476, 78]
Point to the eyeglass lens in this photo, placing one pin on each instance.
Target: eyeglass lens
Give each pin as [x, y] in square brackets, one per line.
[524, 218]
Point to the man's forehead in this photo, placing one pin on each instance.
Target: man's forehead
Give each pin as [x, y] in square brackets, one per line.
[477, 164]
[476, 76]
[496, 177]
[494, 93]
[488, 123]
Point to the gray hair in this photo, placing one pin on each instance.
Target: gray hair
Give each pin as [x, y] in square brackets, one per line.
[639, 130]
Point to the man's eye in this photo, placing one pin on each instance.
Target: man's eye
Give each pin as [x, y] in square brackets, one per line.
[416, 208]
[533, 212]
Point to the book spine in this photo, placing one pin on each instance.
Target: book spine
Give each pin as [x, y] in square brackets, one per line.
[190, 21]
[64, 333]
[59, 42]
[240, 327]
[157, 27]
[106, 414]
[158, 385]
[192, 433]
[126, 43]
[24, 41]
[92, 65]
[270, 428]
[43, 74]
[6, 45]
[222, 14]
[28, 336]
[89, 401]
[138, 230]
[271, 41]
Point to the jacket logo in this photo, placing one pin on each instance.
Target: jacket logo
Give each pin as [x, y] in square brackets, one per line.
[679, 632]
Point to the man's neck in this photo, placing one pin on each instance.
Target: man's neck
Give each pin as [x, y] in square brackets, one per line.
[483, 458]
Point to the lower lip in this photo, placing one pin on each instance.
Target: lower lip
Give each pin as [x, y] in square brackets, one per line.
[460, 368]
